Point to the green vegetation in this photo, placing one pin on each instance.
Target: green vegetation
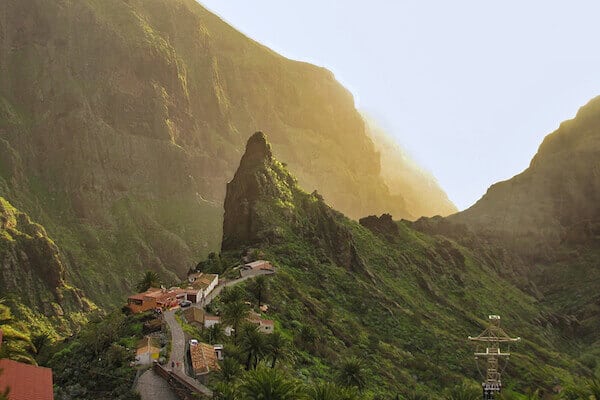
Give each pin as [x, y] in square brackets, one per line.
[150, 279]
[95, 363]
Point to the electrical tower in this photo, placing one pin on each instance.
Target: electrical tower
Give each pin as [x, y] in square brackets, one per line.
[491, 339]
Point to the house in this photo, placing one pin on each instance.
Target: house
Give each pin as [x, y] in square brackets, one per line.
[204, 285]
[257, 267]
[211, 320]
[204, 360]
[265, 326]
[155, 298]
[194, 316]
[147, 351]
[26, 382]
[141, 302]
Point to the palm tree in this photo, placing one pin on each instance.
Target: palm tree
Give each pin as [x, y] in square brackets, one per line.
[593, 387]
[215, 333]
[150, 279]
[230, 370]
[260, 288]
[224, 391]
[276, 347]
[253, 344]
[234, 315]
[352, 373]
[331, 391]
[269, 384]
[232, 294]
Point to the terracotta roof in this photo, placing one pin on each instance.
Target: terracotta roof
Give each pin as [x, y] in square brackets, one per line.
[26, 382]
[211, 317]
[204, 358]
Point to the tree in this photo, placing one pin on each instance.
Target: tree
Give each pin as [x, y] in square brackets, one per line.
[234, 315]
[269, 384]
[150, 279]
[352, 373]
[331, 391]
[253, 344]
[277, 346]
[593, 387]
[230, 370]
[215, 333]
[260, 289]
[225, 391]
[232, 294]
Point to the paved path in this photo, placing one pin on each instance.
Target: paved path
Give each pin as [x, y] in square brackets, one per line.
[219, 288]
[152, 387]
[147, 386]
[178, 353]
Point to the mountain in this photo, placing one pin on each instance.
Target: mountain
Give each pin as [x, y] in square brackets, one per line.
[121, 122]
[402, 301]
[555, 201]
[542, 228]
[421, 191]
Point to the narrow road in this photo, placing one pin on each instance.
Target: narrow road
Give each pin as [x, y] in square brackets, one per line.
[152, 387]
[178, 353]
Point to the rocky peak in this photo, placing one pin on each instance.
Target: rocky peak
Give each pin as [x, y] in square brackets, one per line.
[259, 184]
[258, 151]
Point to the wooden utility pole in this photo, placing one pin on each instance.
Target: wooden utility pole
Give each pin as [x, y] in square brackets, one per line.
[491, 338]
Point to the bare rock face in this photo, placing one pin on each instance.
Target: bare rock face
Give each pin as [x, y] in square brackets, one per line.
[383, 225]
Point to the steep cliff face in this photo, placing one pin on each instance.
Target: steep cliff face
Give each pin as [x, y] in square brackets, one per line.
[32, 271]
[121, 122]
[556, 201]
[378, 290]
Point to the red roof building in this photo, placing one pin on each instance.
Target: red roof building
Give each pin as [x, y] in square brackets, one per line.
[26, 382]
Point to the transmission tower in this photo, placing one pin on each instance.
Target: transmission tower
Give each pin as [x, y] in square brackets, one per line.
[491, 339]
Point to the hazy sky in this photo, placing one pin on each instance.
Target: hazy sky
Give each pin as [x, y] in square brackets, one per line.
[468, 88]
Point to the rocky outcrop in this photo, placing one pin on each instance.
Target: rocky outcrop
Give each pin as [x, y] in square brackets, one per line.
[265, 206]
[383, 225]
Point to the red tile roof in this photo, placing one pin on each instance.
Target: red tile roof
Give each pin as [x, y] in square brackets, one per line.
[26, 382]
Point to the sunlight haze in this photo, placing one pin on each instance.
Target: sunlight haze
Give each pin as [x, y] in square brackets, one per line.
[469, 89]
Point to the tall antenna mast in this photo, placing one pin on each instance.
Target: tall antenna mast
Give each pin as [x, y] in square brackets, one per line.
[491, 338]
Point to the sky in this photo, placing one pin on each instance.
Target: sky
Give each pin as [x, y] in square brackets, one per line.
[468, 88]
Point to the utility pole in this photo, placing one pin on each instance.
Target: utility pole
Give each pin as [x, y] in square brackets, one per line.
[491, 339]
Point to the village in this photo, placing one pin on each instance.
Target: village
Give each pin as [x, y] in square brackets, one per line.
[191, 361]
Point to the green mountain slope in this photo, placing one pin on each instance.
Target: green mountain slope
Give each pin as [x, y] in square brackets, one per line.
[542, 227]
[402, 301]
[121, 122]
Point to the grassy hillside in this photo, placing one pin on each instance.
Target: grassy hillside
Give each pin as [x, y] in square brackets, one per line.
[401, 301]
